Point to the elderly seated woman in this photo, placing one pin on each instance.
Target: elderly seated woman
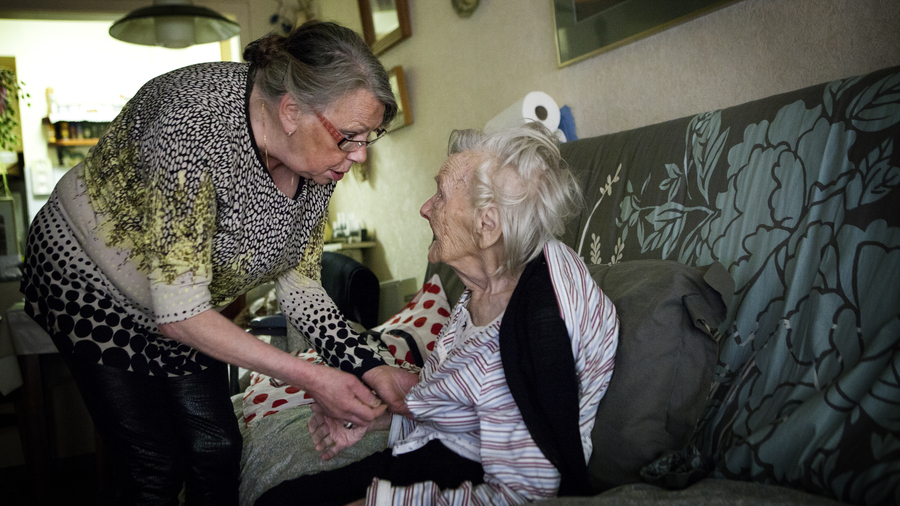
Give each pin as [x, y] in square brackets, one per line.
[505, 405]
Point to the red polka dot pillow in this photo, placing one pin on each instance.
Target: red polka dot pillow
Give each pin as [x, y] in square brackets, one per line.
[408, 337]
[266, 396]
[405, 340]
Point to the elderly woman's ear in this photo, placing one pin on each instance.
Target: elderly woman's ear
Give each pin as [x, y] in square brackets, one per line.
[289, 113]
[488, 230]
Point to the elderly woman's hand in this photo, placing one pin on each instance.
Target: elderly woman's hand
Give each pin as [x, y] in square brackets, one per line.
[330, 436]
[343, 397]
[392, 384]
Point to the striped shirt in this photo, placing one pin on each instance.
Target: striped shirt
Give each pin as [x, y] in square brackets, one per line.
[463, 399]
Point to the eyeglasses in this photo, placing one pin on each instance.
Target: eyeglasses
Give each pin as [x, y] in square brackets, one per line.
[345, 144]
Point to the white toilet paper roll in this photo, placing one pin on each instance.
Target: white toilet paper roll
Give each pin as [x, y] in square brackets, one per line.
[536, 106]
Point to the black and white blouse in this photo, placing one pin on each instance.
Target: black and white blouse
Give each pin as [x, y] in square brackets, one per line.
[171, 214]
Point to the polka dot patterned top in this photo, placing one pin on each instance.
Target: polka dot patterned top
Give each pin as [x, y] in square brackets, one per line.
[171, 214]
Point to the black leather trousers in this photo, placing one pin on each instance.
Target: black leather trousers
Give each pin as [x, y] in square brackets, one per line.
[164, 434]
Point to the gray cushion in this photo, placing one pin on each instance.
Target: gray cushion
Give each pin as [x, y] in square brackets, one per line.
[668, 314]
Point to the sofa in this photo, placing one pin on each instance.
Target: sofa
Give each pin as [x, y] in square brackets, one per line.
[753, 255]
[796, 196]
[782, 382]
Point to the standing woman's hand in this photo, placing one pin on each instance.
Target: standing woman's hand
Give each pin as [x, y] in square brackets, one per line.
[392, 384]
[342, 396]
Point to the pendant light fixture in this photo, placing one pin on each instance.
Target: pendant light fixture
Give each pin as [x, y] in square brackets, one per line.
[174, 24]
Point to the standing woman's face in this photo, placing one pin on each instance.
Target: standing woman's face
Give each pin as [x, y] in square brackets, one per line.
[312, 152]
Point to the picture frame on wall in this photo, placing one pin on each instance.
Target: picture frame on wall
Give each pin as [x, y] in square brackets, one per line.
[385, 23]
[404, 112]
[586, 28]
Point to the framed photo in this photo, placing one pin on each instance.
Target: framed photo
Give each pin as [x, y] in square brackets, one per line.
[398, 86]
[586, 28]
[385, 23]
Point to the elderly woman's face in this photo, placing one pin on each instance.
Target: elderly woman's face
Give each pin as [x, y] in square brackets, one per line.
[314, 153]
[449, 211]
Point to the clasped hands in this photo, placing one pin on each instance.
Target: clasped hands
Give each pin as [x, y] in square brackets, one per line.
[331, 434]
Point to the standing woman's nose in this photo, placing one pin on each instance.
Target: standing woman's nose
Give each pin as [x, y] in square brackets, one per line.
[358, 155]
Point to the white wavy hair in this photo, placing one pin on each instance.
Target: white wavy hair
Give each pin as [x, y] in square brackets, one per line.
[521, 172]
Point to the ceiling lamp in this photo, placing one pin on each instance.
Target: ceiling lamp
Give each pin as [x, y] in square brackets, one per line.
[174, 24]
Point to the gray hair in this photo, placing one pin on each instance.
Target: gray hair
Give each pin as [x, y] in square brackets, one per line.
[317, 63]
[521, 172]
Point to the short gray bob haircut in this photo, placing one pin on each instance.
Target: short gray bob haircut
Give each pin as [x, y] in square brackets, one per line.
[318, 63]
[521, 172]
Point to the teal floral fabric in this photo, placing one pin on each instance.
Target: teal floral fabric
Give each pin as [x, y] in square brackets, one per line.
[797, 196]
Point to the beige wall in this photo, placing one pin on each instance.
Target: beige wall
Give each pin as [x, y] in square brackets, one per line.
[462, 72]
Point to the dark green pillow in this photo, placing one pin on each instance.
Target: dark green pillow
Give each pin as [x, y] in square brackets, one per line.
[668, 315]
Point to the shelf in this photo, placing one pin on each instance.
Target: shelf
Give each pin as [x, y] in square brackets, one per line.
[72, 142]
[74, 130]
[339, 246]
[354, 250]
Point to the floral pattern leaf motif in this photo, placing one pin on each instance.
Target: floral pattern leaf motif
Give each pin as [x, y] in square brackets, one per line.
[595, 249]
[809, 373]
[834, 91]
[673, 182]
[793, 205]
[629, 209]
[619, 250]
[703, 147]
[698, 241]
[869, 110]
[610, 180]
[667, 223]
[801, 236]
[876, 177]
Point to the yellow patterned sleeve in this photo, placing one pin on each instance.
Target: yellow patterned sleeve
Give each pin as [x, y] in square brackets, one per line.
[310, 264]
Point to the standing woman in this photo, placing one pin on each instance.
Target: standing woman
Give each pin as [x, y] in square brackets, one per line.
[214, 179]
